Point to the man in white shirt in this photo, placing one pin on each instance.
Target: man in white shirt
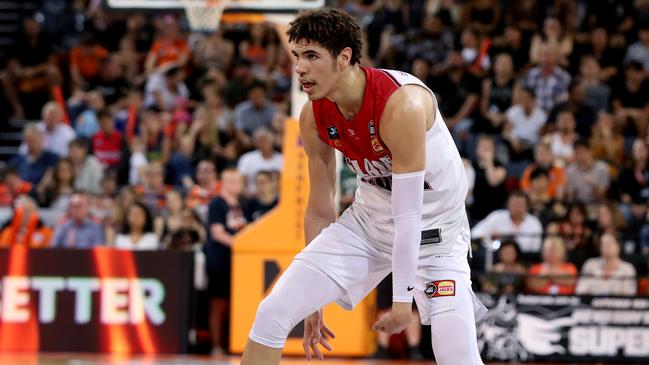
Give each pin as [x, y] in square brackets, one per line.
[588, 178]
[264, 158]
[56, 134]
[165, 89]
[524, 121]
[514, 221]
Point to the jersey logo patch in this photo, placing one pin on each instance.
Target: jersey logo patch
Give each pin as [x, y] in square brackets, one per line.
[440, 288]
[332, 133]
[376, 145]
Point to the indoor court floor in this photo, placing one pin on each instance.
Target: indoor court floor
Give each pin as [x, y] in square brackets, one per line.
[92, 359]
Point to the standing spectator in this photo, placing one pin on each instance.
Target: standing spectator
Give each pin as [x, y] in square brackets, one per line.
[489, 191]
[497, 93]
[562, 140]
[225, 219]
[253, 114]
[170, 48]
[108, 142]
[25, 227]
[137, 232]
[588, 179]
[57, 135]
[88, 170]
[554, 275]
[31, 70]
[524, 123]
[266, 195]
[264, 158]
[544, 159]
[549, 81]
[639, 51]
[12, 187]
[79, 230]
[515, 221]
[608, 274]
[33, 165]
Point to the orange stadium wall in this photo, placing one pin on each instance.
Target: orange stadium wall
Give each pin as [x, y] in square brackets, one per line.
[265, 249]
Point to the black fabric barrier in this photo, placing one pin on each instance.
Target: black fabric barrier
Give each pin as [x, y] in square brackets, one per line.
[564, 328]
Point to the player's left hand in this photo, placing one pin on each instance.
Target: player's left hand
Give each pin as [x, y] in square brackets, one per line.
[396, 320]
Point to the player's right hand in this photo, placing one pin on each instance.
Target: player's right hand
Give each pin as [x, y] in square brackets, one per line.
[316, 332]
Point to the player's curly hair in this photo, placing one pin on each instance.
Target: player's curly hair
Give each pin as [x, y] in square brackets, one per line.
[332, 28]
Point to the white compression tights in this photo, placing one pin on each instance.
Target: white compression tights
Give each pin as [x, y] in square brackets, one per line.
[300, 291]
[453, 332]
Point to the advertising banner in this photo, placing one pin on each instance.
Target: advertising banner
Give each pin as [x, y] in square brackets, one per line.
[100, 300]
[565, 328]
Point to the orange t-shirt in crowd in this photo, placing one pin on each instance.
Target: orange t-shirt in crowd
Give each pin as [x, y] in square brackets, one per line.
[7, 196]
[88, 60]
[556, 175]
[199, 196]
[553, 287]
[32, 233]
[169, 51]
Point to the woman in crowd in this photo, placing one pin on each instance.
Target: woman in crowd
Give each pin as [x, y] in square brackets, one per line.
[607, 274]
[554, 275]
[137, 232]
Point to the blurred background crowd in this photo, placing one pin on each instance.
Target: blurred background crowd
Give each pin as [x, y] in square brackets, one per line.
[128, 130]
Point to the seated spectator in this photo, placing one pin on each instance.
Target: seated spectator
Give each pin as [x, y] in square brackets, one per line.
[609, 219]
[88, 171]
[508, 274]
[79, 230]
[25, 227]
[524, 122]
[85, 61]
[607, 274]
[263, 158]
[225, 219]
[57, 187]
[639, 51]
[57, 135]
[630, 100]
[266, 195]
[155, 136]
[588, 179]
[489, 191]
[599, 48]
[548, 80]
[554, 275]
[633, 181]
[35, 163]
[190, 232]
[477, 61]
[166, 90]
[482, 15]
[169, 48]
[31, 69]
[513, 44]
[540, 201]
[497, 93]
[577, 235]
[544, 159]
[563, 139]
[153, 189]
[170, 218]
[553, 36]
[137, 232]
[12, 186]
[598, 93]
[606, 142]
[207, 186]
[107, 143]
[583, 114]
[87, 122]
[252, 114]
[515, 221]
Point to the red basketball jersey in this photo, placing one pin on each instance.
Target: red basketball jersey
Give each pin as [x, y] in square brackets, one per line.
[358, 138]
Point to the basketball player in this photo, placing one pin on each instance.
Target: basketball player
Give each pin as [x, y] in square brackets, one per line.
[408, 216]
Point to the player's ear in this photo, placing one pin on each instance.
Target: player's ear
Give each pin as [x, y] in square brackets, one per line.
[345, 56]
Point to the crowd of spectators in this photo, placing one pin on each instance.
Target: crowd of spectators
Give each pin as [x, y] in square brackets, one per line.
[145, 135]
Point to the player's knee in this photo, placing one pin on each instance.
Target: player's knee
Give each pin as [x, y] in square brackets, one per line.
[452, 340]
[273, 322]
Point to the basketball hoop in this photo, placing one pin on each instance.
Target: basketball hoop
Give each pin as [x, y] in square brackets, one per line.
[204, 15]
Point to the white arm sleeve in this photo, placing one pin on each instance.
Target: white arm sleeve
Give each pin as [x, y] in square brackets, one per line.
[407, 203]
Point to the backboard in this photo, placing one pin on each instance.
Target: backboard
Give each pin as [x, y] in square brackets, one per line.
[233, 6]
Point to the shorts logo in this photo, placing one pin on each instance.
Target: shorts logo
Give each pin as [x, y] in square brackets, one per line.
[440, 288]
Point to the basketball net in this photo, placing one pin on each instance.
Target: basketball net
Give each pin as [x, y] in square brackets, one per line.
[204, 15]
